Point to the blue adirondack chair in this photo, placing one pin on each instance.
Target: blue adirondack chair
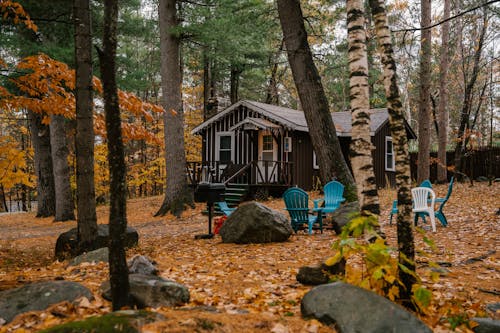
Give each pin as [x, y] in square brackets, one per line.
[334, 196]
[438, 213]
[225, 208]
[297, 205]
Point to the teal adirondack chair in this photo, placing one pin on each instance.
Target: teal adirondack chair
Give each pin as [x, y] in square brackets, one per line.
[334, 196]
[438, 213]
[225, 208]
[297, 205]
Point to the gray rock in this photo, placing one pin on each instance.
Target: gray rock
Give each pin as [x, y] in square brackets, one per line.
[98, 255]
[352, 309]
[67, 243]
[142, 265]
[255, 223]
[343, 215]
[152, 291]
[493, 307]
[319, 275]
[486, 325]
[119, 321]
[39, 296]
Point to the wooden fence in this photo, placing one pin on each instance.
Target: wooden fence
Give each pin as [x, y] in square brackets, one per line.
[483, 162]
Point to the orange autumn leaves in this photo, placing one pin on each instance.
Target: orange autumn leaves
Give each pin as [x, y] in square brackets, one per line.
[47, 88]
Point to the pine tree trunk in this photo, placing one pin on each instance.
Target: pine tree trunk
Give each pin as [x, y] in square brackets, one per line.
[118, 269]
[424, 114]
[332, 164]
[467, 102]
[64, 198]
[361, 146]
[235, 83]
[406, 243]
[177, 193]
[442, 170]
[84, 139]
[40, 136]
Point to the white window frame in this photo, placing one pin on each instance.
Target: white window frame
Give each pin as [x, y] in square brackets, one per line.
[217, 144]
[315, 161]
[287, 144]
[387, 154]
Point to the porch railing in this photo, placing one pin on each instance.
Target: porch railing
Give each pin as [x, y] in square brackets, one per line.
[254, 172]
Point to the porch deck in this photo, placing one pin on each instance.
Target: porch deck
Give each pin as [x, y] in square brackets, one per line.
[256, 174]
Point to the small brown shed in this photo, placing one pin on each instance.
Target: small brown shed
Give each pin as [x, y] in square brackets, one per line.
[265, 145]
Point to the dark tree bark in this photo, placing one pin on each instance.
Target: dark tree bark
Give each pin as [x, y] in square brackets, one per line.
[235, 83]
[313, 99]
[406, 243]
[361, 144]
[64, 198]
[84, 139]
[118, 270]
[442, 170]
[272, 87]
[40, 136]
[424, 111]
[468, 100]
[177, 193]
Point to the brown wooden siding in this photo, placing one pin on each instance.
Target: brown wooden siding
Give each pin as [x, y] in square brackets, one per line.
[383, 178]
[246, 148]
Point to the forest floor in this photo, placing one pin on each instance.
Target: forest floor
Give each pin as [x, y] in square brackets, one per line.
[252, 288]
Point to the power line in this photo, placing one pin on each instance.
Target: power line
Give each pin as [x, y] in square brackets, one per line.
[450, 18]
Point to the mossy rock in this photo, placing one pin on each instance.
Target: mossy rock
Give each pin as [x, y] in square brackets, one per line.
[122, 321]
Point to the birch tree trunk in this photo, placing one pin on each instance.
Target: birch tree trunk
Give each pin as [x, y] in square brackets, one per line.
[406, 243]
[361, 146]
[84, 139]
[443, 97]
[313, 99]
[177, 193]
[118, 269]
[424, 110]
[64, 205]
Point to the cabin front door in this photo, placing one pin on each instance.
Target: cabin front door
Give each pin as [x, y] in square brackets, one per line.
[268, 154]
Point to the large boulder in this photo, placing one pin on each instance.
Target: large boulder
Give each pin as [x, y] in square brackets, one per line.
[486, 325]
[39, 296]
[67, 242]
[99, 255]
[253, 222]
[343, 215]
[352, 309]
[152, 291]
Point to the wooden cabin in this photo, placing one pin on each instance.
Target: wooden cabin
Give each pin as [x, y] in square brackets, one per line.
[268, 147]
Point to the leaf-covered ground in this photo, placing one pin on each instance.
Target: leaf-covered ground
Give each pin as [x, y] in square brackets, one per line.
[252, 288]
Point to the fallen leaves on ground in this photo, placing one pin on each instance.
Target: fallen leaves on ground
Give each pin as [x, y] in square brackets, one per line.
[252, 288]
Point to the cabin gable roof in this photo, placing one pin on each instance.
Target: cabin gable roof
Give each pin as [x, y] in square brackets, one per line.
[295, 120]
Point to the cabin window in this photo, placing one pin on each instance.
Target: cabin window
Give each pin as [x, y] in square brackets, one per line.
[267, 148]
[224, 147]
[390, 161]
[315, 161]
[287, 144]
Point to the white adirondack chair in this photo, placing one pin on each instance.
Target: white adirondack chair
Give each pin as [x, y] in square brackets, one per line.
[423, 202]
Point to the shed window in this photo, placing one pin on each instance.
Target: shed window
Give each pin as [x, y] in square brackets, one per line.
[390, 161]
